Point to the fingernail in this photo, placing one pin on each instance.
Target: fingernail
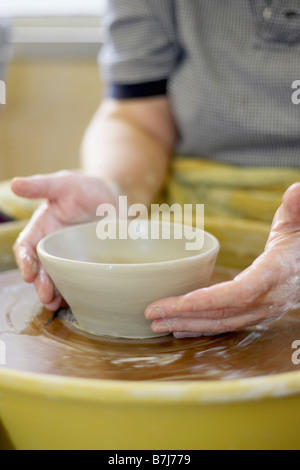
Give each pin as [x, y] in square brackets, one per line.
[162, 327]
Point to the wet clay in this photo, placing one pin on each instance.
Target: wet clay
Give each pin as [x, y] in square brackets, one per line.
[36, 340]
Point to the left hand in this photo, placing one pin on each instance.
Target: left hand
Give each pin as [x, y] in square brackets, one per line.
[264, 292]
[70, 198]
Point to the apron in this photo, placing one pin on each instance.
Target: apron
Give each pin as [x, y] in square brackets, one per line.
[239, 203]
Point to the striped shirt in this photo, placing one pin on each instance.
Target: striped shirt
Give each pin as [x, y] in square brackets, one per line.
[227, 67]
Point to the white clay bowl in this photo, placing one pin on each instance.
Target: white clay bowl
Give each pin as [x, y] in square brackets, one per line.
[109, 283]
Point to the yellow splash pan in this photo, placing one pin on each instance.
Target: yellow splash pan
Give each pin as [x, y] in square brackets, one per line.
[44, 411]
[41, 412]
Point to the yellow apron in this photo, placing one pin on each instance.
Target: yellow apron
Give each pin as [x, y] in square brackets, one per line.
[239, 202]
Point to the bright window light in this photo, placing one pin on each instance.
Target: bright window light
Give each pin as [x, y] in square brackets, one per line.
[19, 8]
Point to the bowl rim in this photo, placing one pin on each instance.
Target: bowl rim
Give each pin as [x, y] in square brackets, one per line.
[161, 392]
[41, 250]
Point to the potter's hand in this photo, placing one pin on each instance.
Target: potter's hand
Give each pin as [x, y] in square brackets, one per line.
[264, 292]
[70, 198]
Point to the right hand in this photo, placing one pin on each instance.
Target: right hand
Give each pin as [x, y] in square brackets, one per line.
[70, 198]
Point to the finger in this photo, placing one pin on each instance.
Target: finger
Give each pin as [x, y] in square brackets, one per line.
[41, 186]
[220, 296]
[45, 288]
[208, 327]
[184, 334]
[55, 304]
[27, 261]
[290, 209]
[288, 214]
[217, 314]
[246, 289]
[25, 246]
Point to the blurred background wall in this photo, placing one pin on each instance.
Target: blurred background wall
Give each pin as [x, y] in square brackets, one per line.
[48, 107]
[53, 89]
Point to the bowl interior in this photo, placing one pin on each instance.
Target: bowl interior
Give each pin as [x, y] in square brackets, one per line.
[81, 243]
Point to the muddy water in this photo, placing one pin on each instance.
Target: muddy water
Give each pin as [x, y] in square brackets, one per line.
[38, 341]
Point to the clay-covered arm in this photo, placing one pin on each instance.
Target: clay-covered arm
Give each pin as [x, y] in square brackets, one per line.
[130, 142]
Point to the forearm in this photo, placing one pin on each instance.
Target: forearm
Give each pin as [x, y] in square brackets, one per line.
[126, 145]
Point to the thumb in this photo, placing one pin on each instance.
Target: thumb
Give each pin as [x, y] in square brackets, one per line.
[42, 186]
[289, 211]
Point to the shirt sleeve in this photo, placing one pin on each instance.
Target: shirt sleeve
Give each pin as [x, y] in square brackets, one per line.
[140, 50]
[5, 46]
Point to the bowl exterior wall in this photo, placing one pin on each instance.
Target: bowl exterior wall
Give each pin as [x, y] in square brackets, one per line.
[102, 296]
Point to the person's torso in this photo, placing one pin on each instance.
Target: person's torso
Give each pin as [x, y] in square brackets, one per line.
[231, 90]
